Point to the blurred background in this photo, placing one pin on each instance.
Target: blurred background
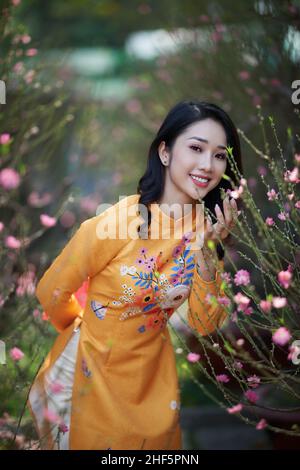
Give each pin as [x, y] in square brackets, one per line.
[92, 80]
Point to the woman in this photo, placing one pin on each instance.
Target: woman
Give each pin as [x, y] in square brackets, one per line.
[110, 381]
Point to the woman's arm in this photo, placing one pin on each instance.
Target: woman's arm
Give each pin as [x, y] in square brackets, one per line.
[203, 316]
[83, 256]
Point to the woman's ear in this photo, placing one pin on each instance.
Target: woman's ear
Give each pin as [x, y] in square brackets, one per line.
[163, 153]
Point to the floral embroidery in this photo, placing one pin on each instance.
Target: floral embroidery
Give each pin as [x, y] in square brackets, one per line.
[158, 298]
[158, 295]
[98, 309]
[85, 368]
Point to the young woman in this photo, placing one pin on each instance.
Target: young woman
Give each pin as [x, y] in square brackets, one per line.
[110, 380]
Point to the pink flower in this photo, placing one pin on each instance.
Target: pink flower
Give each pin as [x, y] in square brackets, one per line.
[251, 396]
[47, 221]
[31, 52]
[284, 278]
[244, 75]
[67, 219]
[235, 409]
[279, 302]
[272, 195]
[261, 424]
[63, 427]
[269, 221]
[256, 100]
[193, 357]
[222, 378]
[18, 67]
[1, 226]
[283, 215]
[16, 354]
[25, 38]
[15, 2]
[253, 381]
[252, 182]
[297, 157]
[35, 200]
[29, 76]
[236, 192]
[177, 251]
[9, 178]
[36, 313]
[4, 138]
[248, 311]
[262, 170]
[238, 365]
[297, 204]
[242, 301]
[292, 176]
[242, 277]
[223, 300]
[26, 284]
[275, 82]
[12, 242]
[265, 305]
[281, 336]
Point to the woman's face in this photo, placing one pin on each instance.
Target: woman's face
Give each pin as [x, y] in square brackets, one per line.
[198, 152]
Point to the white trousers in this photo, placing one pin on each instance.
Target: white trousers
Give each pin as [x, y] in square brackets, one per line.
[61, 375]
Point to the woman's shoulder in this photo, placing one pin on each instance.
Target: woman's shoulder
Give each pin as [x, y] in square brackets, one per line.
[110, 217]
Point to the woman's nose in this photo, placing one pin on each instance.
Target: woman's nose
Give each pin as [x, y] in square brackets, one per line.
[205, 161]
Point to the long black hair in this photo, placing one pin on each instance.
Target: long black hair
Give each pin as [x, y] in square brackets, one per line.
[181, 116]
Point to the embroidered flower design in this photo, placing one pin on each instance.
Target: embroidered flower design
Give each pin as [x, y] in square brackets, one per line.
[98, 309]
[175, 296]
[159, 295]
[85, 368]
[147, 301]
[127, 270]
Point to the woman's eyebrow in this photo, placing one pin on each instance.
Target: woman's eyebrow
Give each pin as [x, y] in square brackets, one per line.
[206, 141]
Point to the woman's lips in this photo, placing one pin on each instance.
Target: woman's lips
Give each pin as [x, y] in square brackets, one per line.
[200, 184]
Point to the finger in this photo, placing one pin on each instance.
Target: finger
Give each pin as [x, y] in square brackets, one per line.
[227, 212]
[234, 207]
[219, 231]
[219, 215]
[208, 233]
[209, 227]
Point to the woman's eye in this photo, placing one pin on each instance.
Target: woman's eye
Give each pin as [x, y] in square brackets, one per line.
[195, 147]
[220, 156]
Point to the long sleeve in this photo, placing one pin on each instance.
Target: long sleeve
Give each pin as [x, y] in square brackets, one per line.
[84, 255]
[203, 316]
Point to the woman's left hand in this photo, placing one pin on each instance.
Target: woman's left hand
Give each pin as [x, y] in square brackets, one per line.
[223, 225]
